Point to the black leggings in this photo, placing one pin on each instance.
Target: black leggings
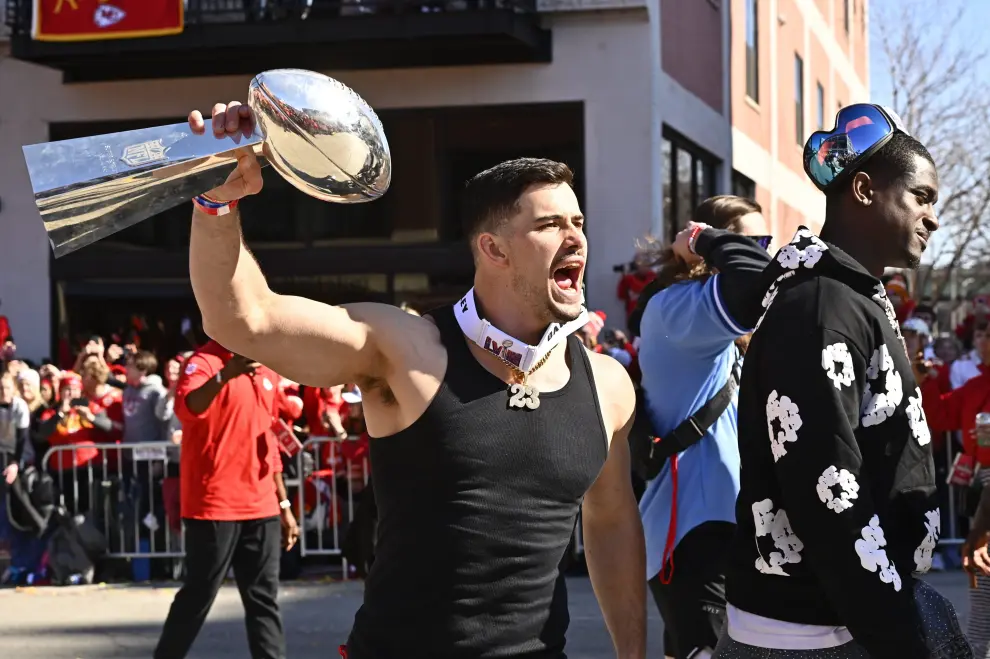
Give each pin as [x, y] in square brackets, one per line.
[692, 605]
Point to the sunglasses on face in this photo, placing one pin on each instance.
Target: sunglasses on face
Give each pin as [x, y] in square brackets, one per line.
[860, 130]
[762, 241]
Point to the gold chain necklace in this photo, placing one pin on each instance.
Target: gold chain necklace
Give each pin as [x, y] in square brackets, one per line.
[522, 395]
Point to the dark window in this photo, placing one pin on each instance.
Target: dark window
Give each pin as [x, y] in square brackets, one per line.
[743, 186]
[689, 179]
[799, 99]
[752, 50]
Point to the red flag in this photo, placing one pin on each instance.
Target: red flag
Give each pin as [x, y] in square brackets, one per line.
[94, 20]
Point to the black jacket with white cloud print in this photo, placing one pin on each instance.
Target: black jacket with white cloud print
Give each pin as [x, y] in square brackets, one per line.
[837, 503]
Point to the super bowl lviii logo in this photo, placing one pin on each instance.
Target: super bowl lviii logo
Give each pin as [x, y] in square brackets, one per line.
[501, 350]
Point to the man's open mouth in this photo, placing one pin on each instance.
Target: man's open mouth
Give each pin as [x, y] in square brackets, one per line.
[567, 276]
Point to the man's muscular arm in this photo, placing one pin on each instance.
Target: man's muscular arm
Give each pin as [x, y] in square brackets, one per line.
[613, 532]
[312, 343]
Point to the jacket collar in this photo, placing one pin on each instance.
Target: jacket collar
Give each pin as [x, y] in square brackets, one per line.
[807, 256]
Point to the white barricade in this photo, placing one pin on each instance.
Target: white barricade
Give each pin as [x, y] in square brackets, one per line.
[332, 475]
[129, 492]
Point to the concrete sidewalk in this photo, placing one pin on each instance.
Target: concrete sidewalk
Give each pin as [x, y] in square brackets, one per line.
[93, 622]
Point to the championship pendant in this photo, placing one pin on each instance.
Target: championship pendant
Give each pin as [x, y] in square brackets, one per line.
[523, 396]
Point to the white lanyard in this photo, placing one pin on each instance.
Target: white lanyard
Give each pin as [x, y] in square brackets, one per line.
[507, 348]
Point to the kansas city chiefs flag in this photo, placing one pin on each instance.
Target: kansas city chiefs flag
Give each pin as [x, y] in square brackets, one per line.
[93, 20]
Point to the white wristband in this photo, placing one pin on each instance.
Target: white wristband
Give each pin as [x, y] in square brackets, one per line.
[284, 504]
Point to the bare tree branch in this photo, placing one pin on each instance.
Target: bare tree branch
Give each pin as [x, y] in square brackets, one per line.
[934, 67]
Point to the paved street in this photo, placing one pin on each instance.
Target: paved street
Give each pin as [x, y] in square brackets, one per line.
[123, 621]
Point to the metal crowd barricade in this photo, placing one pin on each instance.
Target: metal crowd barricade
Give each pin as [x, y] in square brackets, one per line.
[950, 532]
[120, 489]
[327, 489]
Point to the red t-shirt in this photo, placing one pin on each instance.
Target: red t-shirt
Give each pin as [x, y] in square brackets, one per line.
[111, 402]
[229, 453]
[316, 401]
[284, 408]
[631, 285]
[957, 410]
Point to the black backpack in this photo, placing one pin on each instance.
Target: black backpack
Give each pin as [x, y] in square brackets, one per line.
[31, 501]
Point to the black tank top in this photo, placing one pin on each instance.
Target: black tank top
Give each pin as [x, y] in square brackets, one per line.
[477, 504]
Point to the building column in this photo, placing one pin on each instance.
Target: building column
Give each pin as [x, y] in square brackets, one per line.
[656, 125]
[24, 246]
[622, 185]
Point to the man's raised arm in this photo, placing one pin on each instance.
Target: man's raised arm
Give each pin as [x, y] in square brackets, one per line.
[307, 341]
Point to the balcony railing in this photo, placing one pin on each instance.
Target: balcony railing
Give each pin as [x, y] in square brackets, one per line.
[213, 12]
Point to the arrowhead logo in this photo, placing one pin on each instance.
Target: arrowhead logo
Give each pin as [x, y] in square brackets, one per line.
[108, 15]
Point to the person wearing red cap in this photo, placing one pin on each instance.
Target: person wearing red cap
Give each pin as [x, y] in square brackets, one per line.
[234, 504]
[589, 333]
[980, 312]
[896, 286]
[73, 422]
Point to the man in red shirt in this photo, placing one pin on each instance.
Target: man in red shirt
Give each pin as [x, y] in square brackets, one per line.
[633, 283]
[957, 409]
[232, 496]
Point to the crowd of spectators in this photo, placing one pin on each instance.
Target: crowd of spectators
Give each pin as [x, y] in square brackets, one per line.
[112, 397]
[111, 392]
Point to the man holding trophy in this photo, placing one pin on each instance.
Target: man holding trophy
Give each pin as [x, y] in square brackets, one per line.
[492, 425]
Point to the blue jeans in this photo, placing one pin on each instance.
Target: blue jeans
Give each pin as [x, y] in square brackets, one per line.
[26, 549]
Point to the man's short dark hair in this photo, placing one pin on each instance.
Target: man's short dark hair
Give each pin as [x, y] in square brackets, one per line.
[894, 159]
[491, 197]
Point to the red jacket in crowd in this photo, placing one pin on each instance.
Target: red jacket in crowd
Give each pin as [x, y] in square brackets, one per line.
[72, 430]
[957, 410]
[631, 285]
[317, 401]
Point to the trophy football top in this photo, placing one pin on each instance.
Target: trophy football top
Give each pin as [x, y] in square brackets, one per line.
[317, 133]
[321, 136]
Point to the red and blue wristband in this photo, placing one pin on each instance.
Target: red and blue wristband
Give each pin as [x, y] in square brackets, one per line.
[212, 206]
[693, 236]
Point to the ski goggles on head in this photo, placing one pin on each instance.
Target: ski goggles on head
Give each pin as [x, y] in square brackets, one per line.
[860, 130]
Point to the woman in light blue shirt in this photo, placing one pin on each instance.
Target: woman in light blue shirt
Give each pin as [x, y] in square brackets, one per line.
[693, 322]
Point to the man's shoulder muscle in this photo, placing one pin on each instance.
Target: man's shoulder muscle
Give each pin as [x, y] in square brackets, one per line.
[415, 365]
[615, 389]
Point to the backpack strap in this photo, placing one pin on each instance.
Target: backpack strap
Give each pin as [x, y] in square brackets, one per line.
[649, 452]
[692, 429]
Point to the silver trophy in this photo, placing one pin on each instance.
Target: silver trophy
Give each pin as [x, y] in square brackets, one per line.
[318, 134]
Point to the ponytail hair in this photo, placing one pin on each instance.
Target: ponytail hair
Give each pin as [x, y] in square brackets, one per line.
[719, 212]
